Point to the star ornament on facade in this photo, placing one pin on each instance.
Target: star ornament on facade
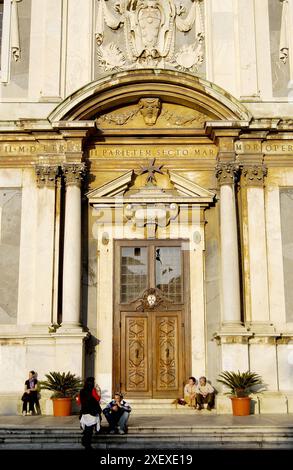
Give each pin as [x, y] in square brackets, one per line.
[151, 169]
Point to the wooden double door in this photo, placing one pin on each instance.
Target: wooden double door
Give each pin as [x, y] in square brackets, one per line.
[151, 341]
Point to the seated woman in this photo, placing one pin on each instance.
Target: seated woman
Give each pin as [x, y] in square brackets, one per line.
[30, 395]
[190, 392]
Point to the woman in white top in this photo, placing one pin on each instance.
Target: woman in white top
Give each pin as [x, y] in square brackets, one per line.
[190, 392]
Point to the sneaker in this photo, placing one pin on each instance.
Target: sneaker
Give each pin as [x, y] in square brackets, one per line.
[24, 413]
[209, 408]
[112, 431]
[120, 431]
[30, 413]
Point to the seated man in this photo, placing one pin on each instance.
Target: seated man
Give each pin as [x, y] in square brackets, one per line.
[190, 392]
[205, 393]
[117, 414]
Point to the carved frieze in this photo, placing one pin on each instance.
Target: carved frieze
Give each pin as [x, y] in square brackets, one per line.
[146, 33]
[254, 175]
[46, 175]
[74, 173]
[227, 173]
[151, 111]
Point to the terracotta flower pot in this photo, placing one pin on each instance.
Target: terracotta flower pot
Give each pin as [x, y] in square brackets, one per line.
[62, 406]
[241, 406]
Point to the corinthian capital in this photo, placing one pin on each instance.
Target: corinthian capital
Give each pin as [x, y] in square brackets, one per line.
[74, 173]
[227, 172]
[46, 175]
[254, 175]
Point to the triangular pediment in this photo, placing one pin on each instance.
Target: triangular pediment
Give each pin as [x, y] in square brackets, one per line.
[112, 189]
[187, 188]
[120, 188]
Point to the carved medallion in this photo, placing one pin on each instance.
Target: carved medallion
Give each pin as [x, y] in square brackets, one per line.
[151, 299]
[146, 31]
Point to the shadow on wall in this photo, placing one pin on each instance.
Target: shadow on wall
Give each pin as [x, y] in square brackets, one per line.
[90, 355]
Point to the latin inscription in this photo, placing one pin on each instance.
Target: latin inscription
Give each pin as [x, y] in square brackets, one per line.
[268, 148]
[135, 151]
[7, 149]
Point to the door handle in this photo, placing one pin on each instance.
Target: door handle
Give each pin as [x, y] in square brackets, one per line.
[136, 353]
[167, 352]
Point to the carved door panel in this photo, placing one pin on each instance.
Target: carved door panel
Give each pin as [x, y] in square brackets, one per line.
[135, 353]
[151, 353]
[168, 355]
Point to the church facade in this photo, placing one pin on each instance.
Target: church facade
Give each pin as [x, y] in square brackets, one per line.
[146, 188]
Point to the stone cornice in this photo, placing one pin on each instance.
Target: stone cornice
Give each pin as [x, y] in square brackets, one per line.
[46, 175]
[74, 173]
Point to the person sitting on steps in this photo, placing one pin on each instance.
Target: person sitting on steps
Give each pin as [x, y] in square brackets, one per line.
[190, 392]
[205, 393]
[30, 395]
[117, 414]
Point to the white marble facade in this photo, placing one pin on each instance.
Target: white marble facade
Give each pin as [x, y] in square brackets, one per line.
[240, 260]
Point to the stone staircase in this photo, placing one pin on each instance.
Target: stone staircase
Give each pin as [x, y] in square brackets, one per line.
[166, 406]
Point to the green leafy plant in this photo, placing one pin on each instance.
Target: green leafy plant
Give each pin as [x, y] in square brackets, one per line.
[63, 385]
[239, 383]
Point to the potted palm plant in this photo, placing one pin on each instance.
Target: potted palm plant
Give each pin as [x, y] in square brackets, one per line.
[240, 384]
[65, 387]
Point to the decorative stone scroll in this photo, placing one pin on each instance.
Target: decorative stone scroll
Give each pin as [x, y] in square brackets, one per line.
[254, 175]
[14, 40]
[74, 173]
[149, 38]
[46, 175]
[227, 173]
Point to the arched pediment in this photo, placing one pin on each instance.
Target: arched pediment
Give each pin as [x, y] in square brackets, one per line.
[175, 90]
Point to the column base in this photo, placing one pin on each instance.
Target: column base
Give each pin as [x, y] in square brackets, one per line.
[232, 327]
[261, 328]
[70, 328]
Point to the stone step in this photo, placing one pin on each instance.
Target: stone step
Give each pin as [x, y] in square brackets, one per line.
[160, 437]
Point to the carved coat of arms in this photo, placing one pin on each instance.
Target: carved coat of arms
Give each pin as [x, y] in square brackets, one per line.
[149, 34]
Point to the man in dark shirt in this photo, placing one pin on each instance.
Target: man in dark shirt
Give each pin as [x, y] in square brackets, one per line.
[117, 414]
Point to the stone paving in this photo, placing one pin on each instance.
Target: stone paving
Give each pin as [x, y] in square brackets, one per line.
[136, 421]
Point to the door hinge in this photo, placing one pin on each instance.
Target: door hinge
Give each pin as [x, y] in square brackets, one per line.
[182, 324]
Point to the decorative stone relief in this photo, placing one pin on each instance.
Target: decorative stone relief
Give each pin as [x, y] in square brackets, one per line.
[284, 32]
[153, 112]
[285, 124]
[46, 175]
[184, 120]
[254, 175]
[149, 34]
[14, 40]
[226, 173]
[151, 169]
[150, 109]
[74, 173]
[151, 299]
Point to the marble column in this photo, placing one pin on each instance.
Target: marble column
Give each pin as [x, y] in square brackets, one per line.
[46, 175]
[231, 312]
[73, 173]
[253, 179]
